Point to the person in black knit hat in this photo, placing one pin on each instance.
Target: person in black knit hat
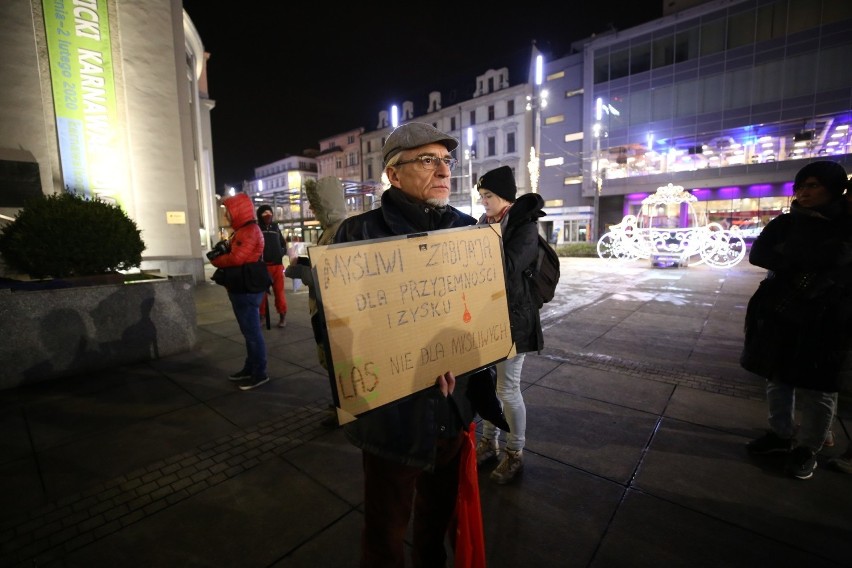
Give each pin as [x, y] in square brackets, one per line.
[518, 220]
[798, 328]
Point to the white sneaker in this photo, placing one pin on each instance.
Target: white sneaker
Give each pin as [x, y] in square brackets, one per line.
[511, 466]
[486, 450]
[252, 382]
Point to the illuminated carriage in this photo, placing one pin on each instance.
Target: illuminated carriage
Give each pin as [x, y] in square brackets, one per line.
[668, 231]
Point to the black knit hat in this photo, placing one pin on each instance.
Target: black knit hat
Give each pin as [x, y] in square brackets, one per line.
[830, 174]
[499, 182]
[262, 209]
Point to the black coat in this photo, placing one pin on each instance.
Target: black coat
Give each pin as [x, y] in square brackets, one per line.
[274, 245]
[797, 328]
[520, 250]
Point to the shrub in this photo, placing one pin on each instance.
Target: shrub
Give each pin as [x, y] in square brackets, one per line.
[68, 235]
[577, 249]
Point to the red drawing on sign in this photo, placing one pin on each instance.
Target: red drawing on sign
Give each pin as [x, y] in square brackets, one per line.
[467, 317]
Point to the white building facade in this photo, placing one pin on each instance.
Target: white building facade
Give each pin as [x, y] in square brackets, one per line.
[493, 127]
[143, 142]
[281, 184]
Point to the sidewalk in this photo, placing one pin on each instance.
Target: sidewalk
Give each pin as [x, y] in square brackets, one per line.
[638, 414]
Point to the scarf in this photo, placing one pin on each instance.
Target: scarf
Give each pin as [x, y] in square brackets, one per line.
[499, 216]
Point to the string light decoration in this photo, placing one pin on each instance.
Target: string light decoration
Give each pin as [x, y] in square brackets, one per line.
[666, 239]
[533, 168]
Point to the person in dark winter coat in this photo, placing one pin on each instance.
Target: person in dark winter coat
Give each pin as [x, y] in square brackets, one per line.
[413, 445]
[518, 220]
[328, 204]
[274, 249]
[798, 329]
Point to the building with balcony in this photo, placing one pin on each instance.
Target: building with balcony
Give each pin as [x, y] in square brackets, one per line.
[492, 126]
[281, 184]
[340, 155]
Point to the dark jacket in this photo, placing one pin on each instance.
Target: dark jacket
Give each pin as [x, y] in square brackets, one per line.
[400, 215]
[275, 247]
[328, 203]
[797, 328]
[405, 431]
[520, 249]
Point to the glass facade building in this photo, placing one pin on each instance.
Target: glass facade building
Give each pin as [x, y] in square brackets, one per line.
[727, 99]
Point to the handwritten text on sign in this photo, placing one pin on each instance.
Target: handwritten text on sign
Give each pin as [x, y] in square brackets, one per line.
[401, 311]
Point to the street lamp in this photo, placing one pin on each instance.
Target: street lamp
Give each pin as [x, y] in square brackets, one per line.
[537, 101]
[469, 154]
[295, 189]
[599, 132]
[596, 129]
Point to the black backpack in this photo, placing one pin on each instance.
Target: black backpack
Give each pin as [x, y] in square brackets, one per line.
[544, 272]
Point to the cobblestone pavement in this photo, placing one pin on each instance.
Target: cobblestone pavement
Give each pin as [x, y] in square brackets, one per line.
[637, 416]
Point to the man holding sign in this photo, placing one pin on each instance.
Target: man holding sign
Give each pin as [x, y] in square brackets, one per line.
[415, 443]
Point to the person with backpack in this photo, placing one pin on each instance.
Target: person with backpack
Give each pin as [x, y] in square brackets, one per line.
[518, 219]
[274, 250]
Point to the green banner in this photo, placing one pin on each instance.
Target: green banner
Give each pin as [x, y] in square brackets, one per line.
[81, 71]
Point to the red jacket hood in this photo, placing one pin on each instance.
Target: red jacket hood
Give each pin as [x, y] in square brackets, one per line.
[241, 209]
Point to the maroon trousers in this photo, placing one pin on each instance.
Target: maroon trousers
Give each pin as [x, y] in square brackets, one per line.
[392, 491]
[276, 273]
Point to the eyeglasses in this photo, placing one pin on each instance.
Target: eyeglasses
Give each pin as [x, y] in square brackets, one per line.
[431, 162]
[809, 185]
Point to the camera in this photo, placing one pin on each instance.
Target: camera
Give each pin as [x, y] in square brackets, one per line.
[220, 248]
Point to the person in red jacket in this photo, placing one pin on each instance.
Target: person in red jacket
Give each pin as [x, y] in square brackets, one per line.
[273, 254]
[245, 245]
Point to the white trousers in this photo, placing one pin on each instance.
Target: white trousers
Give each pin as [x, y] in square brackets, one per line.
[509, 393]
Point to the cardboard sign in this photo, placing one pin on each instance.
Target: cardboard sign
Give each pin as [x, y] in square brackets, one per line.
[403, 310]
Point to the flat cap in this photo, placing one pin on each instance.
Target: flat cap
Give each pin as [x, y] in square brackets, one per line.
[414, 135]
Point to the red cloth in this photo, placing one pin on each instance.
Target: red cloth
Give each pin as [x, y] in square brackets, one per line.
[276, 273]
[470, 539]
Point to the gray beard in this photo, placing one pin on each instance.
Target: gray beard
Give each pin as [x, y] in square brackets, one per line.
[435, 202]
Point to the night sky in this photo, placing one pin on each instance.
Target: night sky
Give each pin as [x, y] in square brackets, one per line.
[283, 78]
